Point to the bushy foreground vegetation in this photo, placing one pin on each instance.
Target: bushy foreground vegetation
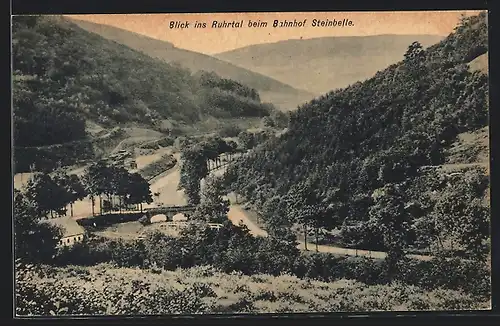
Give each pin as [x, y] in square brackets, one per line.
[165, 163]
[195, 155]
[104, 289]
[234, 249]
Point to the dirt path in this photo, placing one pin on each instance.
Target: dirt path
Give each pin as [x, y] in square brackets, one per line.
[166, 185]
[238, 215]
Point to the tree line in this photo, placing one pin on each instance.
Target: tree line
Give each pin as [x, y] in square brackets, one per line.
[194, 163]
[196, 154]
[64, 76]
[60, 79]
[233, 248]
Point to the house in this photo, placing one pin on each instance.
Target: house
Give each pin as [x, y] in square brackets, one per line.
[72, 231]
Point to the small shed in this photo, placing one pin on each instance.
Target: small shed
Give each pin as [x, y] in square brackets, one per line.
[72, 231]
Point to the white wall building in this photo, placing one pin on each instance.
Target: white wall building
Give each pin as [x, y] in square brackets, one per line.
[72, 231]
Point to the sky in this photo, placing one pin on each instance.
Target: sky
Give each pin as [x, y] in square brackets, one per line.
[215, 40]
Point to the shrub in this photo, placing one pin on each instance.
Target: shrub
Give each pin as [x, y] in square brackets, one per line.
[166, 141]
[162, 251]
[97, 250]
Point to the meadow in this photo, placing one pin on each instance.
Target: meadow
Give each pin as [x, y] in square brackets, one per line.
[104, 289]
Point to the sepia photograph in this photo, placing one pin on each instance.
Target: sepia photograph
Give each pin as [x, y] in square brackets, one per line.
[250, 163]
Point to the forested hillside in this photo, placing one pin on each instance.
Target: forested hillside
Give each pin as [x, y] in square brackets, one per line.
[279, 93]
[64, 77]
[367, 159]
[325, 63]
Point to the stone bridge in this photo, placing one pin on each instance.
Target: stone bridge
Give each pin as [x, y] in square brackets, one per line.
[170, 211]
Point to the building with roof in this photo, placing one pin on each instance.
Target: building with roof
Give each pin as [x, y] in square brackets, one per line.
[72, 231]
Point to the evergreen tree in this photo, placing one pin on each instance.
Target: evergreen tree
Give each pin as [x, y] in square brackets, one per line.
[393, 221]
[35, 241]
[213, 207]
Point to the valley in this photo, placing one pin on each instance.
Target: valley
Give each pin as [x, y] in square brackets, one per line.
[156, 180]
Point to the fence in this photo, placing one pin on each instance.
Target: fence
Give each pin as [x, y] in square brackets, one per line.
[170, 209]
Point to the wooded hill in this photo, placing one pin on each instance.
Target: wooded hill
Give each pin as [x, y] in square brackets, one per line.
[64, 76]
[366, 156]
[279, 93]
[321, 64]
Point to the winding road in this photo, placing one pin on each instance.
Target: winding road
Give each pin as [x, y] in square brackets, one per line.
[165, 185]
[238, 215]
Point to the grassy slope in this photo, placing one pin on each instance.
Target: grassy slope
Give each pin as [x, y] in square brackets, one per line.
[323, 64]
[470, 148]
[278, 93]
[236, 293]
[480, 63]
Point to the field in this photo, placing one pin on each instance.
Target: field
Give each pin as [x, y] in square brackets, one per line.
[204, 290]
[144, 160]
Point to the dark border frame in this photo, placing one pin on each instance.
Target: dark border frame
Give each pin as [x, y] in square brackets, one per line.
[147, 6]
[150, 6]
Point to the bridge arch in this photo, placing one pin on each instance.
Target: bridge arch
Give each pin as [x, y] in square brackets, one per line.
[171, 211]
